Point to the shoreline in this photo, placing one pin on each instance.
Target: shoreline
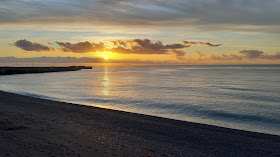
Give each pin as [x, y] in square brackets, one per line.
[136, 113]
[33, 126]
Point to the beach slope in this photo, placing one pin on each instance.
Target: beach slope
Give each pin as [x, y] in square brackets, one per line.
[35, 127]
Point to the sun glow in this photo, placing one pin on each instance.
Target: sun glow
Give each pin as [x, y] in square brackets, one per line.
[105, 54]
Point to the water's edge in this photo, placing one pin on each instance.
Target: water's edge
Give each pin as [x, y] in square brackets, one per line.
[141, 114]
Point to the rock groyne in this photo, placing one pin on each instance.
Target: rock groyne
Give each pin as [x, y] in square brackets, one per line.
[24, 70]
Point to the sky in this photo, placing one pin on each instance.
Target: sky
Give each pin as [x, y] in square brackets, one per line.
[185, 32]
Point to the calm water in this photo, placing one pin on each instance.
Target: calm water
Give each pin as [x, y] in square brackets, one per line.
[242, 97]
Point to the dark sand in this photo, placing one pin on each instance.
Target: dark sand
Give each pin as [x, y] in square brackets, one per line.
[36, 127]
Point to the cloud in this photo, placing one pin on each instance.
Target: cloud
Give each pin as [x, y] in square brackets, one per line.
[256, 54]
[179, 54]
[222, 57]
[272, 56]
[81, 47]
[145, 46]
[226, 57]
[159, 13]
[250, 53]
[32, 46]
[200, 43]
[135, 46]
[199, 55]
[242, 55]
[118, 42]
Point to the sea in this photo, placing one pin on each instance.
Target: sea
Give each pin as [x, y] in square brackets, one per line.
[245, 97]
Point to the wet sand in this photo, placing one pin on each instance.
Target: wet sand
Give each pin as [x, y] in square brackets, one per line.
[37, 127]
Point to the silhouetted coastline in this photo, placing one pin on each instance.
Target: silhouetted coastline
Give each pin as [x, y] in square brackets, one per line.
[24, 70]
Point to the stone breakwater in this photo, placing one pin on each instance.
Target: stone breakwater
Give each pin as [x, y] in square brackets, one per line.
[24, 70]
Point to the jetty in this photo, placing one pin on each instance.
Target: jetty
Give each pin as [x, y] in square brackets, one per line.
[24, 70]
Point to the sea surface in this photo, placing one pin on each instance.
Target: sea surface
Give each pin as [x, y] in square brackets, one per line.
[240, 97]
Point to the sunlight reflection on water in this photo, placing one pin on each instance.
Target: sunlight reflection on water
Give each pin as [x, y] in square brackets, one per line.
[106, 82]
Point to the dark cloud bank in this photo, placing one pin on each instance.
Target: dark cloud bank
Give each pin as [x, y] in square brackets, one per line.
[158, 13]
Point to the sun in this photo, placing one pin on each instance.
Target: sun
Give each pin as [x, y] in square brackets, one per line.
[105, 55]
